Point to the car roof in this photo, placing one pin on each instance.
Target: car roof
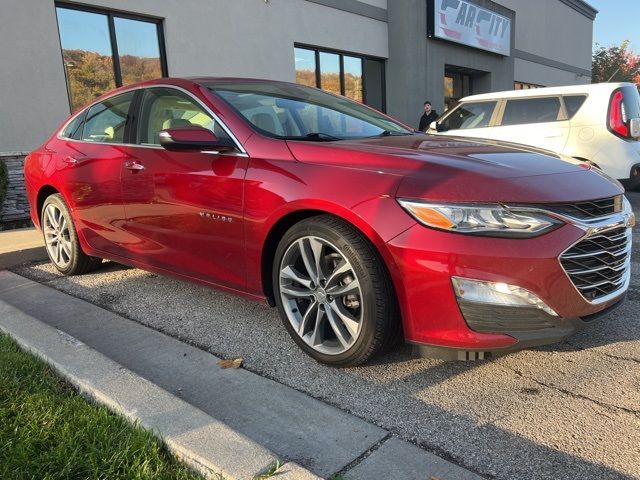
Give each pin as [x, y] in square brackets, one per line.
[588, 88]
[220, 80]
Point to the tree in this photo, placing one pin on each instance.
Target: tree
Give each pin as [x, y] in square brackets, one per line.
[615, 64]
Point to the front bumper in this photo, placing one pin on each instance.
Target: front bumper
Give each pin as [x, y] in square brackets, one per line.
[556, 332]
[426, 259]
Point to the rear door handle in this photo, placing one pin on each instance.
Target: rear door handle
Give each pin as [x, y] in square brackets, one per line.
[70, 160]
[133, 166]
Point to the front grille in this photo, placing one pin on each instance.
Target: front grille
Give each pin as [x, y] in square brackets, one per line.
[589, 209]
[599, 264]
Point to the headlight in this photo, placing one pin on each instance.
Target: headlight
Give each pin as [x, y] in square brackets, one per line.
[488, 220]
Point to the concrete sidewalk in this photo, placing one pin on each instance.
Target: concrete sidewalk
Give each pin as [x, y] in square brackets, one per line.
[224, 421]
[21, 246]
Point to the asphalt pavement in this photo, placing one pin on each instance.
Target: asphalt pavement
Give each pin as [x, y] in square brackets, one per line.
[566, 411]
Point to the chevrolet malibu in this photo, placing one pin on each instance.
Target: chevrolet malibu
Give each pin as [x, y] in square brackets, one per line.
[360, 230]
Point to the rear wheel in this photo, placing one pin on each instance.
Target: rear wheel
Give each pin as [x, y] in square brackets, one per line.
[61, 239]
[333, 293]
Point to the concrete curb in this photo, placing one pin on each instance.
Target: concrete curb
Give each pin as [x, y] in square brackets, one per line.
[221, 421]
[199, 440]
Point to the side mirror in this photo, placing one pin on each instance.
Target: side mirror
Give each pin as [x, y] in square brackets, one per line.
[433, 126]
[193, 139]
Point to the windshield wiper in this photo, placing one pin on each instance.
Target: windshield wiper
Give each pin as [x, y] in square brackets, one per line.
[321, 136]
[314, 137]
[389, 133]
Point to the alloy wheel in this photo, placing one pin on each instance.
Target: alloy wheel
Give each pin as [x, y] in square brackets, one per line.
[321, 295]
[57, 236]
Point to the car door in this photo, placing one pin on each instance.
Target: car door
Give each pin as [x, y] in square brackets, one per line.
[540, 122]
[92, 154]
[185, 208]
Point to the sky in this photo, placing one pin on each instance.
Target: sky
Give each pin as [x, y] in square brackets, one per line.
[617, 21]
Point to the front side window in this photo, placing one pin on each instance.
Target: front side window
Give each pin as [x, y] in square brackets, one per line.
[106, 121]
[297, 112]
[531, 110]
[164, 108]
[101, 51]
[468, 115]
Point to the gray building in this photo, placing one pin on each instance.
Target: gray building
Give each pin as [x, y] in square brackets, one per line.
[391, 54]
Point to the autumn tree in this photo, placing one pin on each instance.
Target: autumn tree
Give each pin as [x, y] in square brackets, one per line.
[615, 64]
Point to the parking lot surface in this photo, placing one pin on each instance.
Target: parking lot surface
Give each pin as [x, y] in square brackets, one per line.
[566, 411]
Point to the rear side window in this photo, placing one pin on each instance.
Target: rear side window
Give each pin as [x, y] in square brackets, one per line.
[106, 121]
[468, 115]
[531, 110]
[74, 128]
[573, 103]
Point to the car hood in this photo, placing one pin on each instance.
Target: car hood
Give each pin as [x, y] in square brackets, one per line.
[457, 169]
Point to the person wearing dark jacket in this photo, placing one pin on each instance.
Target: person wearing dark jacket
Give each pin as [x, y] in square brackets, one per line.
[428, 116]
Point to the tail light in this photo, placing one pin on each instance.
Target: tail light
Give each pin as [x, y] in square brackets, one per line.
[617, 115]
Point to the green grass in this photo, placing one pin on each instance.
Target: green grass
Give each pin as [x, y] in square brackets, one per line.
[48, 431]
[270, 472]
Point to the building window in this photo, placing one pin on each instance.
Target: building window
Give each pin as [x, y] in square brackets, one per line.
[356, 77]
[103, 50]
[525, 86]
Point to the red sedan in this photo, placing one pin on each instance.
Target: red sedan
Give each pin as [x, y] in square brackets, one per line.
[357, 228]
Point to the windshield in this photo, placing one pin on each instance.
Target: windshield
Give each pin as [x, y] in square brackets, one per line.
[298, 112]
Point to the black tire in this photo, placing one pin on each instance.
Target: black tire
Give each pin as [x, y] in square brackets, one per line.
[381, 326]
[78, 262]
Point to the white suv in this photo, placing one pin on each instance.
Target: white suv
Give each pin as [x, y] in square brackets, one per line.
[598, 123]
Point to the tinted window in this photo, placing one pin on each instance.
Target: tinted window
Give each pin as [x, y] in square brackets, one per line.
[469, 115]
[106, 121]
[164, 108]
[358, 78]
[531, 110]
[87, 55]
[285, 110]
[330, 72]
[305, 66]
[90, 41]
[353, 78]
[74, 128]
[138, 50]
[573, 103]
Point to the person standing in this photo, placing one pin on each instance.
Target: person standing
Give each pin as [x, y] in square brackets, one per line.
[428, 116]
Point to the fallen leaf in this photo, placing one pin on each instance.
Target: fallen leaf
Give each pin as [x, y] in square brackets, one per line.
[435, 478]
[234, 363]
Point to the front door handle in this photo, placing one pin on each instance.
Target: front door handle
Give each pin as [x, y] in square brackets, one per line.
[133, 166]
[70, 160]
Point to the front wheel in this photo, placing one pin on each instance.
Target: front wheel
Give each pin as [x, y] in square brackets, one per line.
[333, 293]
[61, 239]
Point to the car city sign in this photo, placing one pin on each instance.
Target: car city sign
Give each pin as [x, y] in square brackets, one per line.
[463, 22]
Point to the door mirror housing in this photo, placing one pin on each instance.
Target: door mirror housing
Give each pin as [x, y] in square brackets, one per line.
[433, 126]
[194, 139]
